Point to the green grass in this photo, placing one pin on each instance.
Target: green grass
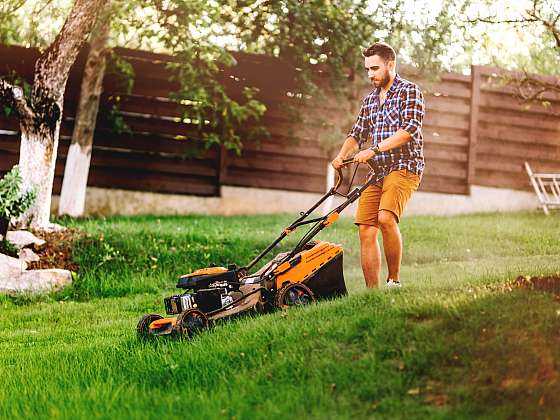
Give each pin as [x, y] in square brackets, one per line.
[455, 342]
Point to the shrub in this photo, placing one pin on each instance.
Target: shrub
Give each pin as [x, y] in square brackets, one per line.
[13, 200]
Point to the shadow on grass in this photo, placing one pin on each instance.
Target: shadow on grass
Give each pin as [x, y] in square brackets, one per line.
[495, 355]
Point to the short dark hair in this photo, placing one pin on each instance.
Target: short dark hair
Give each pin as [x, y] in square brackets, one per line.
[383, 50]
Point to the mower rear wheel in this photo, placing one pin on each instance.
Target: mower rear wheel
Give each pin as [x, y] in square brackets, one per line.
[191, 322]
[295, 294]
[143, 327]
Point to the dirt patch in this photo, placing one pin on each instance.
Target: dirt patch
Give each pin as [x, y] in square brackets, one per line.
[546, 283]
[57, 252]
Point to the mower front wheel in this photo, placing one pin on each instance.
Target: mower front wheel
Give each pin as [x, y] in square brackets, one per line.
[143, 327]
[295, 294]
[191, 322]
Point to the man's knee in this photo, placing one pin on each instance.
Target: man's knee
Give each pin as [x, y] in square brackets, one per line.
[368, 233]
[386, 219]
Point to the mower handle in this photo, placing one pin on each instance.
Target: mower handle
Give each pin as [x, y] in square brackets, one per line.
[303, 215]
[340, 177]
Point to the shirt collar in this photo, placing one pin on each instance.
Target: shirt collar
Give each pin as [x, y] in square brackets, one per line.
[393, 88]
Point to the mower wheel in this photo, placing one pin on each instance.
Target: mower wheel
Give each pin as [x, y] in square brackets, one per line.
[295, 294]
[143, 327]
[191, 322]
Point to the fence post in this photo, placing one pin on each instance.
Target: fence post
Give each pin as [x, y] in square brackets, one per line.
[329, 204]
[221, 168]
[473, 124]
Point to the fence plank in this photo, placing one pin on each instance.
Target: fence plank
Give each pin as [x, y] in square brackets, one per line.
[473, 124]
[515, 120]
[518, 135]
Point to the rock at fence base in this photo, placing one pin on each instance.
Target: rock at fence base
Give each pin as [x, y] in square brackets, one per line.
[10, 266]
[36, 281]
[27, 255]
[23, 239]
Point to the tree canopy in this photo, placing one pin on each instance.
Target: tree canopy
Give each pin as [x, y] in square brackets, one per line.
[307, 33]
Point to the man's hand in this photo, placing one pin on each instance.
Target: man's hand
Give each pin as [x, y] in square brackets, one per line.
[364, 156]
[337, 162]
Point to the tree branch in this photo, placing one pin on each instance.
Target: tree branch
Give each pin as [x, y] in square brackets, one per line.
[13, 95]
[52, 67]
[7, 10]
[501, 21]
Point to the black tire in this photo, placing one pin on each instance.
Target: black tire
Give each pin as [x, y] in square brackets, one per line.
[143, 329]
[296, 294]
[191, 322]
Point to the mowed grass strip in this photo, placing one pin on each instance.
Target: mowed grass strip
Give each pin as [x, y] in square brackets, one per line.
[447, 345]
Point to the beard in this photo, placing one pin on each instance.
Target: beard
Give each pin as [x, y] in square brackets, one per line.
[384, 81]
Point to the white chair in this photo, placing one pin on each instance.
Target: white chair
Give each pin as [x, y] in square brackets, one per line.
[547, 187]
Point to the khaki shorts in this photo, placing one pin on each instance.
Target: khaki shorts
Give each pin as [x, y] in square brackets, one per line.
[391, 194]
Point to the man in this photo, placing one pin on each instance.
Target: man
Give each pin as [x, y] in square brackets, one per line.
[390, 123]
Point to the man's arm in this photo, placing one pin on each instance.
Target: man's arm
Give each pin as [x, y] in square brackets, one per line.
[357, 134]
[398, 139]
[349, 145]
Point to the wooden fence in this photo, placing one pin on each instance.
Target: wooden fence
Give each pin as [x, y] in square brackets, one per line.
[475, 131]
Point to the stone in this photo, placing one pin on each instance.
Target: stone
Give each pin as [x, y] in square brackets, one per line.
[23, 239]
[36, 281]
[28, 255]
[10, 266]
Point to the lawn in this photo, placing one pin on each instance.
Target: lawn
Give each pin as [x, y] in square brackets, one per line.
[459, 340]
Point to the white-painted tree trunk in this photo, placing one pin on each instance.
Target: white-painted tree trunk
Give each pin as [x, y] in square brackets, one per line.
[41, 114]
[76, 171]
[74, 184]
[37, 163]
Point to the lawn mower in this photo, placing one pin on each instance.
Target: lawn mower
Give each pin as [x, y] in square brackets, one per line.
[311, 270]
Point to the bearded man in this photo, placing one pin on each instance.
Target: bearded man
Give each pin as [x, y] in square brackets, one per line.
[390, 124]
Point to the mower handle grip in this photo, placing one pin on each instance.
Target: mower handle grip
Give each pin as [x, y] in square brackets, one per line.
[340, 176]
[346, 162]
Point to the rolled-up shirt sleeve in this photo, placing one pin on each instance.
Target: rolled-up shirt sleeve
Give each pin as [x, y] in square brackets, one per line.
[361, 127]
[412, 111]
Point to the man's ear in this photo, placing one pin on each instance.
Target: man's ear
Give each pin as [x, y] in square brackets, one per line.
[391, 64]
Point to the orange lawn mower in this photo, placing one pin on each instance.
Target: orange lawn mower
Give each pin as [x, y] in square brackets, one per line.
[312, 270]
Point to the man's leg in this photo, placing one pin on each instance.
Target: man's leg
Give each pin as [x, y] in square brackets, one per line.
[370, 255]
[392, 242]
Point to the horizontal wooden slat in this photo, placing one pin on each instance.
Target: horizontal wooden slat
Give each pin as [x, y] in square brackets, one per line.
[435, 138]
[455, 121]
[507, 149]
[447, 104]
[288, 165]
[156, 182]
[435, 167]
[520, 135]
[445, 152]
[8, 160]
[512, 165]
[500, 101]
[264, 179]
[520, 119]
[500, 179]
[287, 146]
[450, 89]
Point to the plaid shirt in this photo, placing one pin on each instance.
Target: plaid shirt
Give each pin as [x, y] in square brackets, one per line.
[403, 109]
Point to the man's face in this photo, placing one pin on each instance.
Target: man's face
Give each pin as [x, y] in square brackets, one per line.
[379, 71]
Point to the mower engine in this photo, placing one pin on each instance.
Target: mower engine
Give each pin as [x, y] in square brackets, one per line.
[211, 288]
[207, 300]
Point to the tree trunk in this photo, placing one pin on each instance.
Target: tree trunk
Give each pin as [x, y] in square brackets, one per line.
[41, 115]
[73, 193]
[37, 161]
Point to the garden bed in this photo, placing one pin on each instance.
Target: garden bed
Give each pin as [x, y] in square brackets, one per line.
[546, 283]
[57, 252]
